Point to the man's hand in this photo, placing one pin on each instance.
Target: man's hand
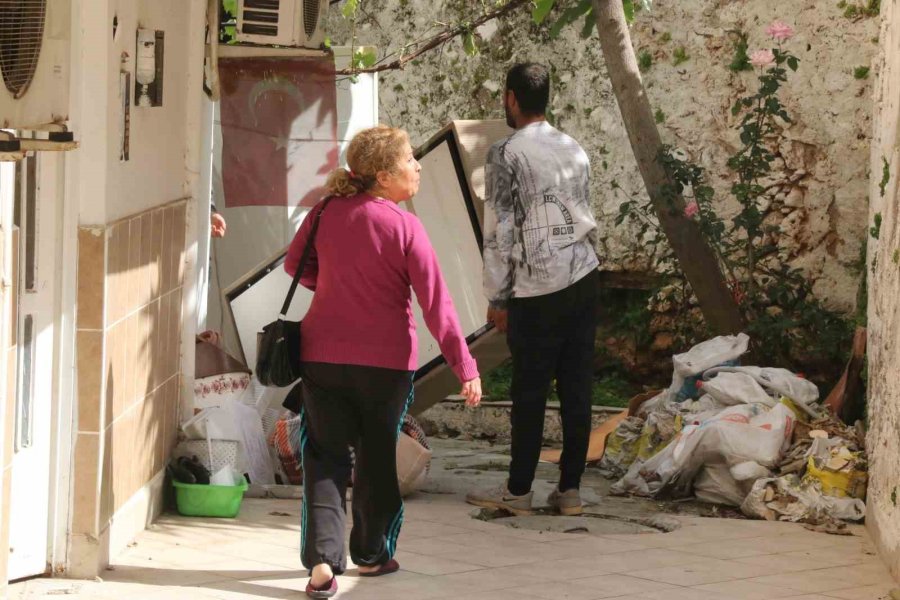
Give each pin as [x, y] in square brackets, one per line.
[498, 316]
[217, 225]
[472, 391]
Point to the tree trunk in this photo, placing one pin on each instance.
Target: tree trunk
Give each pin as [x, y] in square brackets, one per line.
[696, 258]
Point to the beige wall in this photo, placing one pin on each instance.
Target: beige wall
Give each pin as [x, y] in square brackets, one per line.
[8, 379]
[130, 288]
[883, 517]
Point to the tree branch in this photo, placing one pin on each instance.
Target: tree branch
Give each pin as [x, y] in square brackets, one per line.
[438, 40]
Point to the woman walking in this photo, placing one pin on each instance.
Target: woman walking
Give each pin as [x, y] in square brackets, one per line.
[359, 353]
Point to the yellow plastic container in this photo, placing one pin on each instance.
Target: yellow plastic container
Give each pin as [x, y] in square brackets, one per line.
[841, 484]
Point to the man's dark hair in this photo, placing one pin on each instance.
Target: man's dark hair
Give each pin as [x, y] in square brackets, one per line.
[530, 82]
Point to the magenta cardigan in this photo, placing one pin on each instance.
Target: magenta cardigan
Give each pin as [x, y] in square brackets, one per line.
[367, 254]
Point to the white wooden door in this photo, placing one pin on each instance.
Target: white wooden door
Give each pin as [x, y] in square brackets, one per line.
[36, 210]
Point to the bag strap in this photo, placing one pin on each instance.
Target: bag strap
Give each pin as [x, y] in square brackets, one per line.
[303, 259]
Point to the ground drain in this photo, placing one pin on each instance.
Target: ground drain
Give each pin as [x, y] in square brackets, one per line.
[585, 524]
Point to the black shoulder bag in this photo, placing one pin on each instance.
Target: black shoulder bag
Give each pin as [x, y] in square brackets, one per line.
[278, 344]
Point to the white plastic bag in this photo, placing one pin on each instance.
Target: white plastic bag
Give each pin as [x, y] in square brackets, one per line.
[736, 388]
[778, 382]
[710, 353]
[688, 366]
[714, 484]
[739, 434]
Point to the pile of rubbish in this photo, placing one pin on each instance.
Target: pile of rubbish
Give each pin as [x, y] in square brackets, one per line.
[751, 437]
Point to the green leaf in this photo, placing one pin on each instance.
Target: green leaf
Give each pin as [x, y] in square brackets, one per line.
[230, 7]
[541, 10]
[327, 42]
[628, 5]
[793, 62]
[569, 16]
[589, 24]
[364, 58]
[469, 44]
[350, 8]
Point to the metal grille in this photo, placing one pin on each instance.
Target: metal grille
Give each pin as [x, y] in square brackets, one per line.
[257, 18]
[262, 4]
[21, 34]
[310, 16]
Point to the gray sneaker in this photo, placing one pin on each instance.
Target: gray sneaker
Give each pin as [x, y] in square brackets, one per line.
[566, 503]
[500, 498]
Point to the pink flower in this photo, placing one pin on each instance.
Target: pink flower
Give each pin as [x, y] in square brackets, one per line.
[780, 31]
[691, 209]
[762, 58]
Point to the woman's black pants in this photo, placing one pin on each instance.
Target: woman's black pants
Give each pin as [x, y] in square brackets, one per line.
[361, 407]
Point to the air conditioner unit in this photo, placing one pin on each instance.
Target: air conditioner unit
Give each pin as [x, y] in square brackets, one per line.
[282, 22]
[34, 64]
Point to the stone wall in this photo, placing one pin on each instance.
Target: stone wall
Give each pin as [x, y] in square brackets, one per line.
[883, 441]
[825, 150]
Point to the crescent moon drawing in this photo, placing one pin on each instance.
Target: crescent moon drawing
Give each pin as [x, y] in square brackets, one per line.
[277, 84]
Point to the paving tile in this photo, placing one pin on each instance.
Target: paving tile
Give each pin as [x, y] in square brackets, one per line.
[747, 590]
[700, 573]
[590, 546]
[650, 558]
[564, 569]
[433, 565]
[561, 590]
[496, 557]
[685, 593]
[871, 572]
[432, 546]
[809, 597]
[867, 592]
[425, 588]
[816, 581]
[610, 586]
[829, 557]
[512, 594]
[723, 550]
[776, 564]
[419, 529]
[493, 541]
[154, 575]
[487, 580]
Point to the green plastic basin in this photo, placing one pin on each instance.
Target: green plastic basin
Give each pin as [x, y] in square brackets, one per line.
[197, 500]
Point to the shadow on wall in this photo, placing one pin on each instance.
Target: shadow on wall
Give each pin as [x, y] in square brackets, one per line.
[129, 369]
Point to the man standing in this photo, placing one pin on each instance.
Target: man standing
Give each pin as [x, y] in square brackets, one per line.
[540, 276]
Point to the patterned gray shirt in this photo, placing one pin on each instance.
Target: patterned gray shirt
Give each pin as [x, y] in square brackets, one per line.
[538, 226]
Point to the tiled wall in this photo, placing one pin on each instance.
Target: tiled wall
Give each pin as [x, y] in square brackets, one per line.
[8, 345]
[130, 276]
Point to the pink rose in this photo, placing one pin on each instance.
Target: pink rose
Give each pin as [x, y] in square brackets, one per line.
[780, 31]
[762, 58]
[691, 209]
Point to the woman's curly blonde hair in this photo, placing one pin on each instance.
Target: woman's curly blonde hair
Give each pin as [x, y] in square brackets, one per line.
[379, 148]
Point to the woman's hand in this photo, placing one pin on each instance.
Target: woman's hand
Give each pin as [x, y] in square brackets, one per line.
[472, 391]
